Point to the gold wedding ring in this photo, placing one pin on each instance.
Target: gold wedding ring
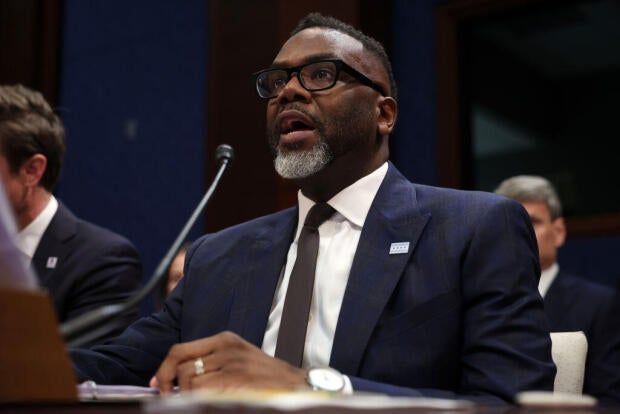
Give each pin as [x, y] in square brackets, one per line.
[199, 366]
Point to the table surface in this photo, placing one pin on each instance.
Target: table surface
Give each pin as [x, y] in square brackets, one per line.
[137, 407]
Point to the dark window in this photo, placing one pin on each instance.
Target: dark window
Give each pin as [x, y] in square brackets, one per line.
[540, 91]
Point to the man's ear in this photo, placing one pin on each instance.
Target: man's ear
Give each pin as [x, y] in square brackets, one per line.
[559, 231]
[32, 170]
[387, 115]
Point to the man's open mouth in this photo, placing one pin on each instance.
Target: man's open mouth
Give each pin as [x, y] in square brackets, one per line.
[295, 122]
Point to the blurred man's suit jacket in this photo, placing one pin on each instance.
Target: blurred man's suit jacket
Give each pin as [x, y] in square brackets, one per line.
[575, 304]
[84, 266]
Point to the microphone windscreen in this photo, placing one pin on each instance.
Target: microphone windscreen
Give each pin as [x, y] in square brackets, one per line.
[224, 152]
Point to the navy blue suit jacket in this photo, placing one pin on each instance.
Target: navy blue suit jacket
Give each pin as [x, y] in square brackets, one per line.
[84, 266]
[458, 315]
[575, 304]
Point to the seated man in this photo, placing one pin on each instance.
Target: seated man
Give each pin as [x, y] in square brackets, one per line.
[571, 303]
[83, 266]
[399, 288]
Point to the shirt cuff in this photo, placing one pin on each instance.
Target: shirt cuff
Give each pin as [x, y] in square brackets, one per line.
[348, 387]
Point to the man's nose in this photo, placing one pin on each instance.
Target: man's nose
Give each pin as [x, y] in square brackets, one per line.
[293, 91]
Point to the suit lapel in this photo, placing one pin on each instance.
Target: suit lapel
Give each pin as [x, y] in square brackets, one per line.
[556, 302]
[260, 272]
[52, 249]
[393, 218]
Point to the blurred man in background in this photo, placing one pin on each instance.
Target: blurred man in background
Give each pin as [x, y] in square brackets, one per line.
[571, 303]
[83, 266]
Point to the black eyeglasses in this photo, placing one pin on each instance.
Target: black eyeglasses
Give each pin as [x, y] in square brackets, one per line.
[313, 76]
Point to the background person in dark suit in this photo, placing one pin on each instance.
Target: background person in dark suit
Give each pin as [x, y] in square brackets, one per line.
[417, 290]
[571, 303]
[83, 266]
[174, 274]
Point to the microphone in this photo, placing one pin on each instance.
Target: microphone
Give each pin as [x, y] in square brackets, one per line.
[101, 320]
[224, 153]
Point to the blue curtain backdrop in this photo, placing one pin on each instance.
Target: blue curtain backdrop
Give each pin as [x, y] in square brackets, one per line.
[133, 99]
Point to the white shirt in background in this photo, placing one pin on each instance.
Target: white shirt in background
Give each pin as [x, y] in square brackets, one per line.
[546, 278]
[28, 239]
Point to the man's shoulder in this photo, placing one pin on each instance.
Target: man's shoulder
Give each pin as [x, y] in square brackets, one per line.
[457, 194]
[71, 229]
[454, 202]
[266, 221]
[583, 289]
[264, 226]
[436, 197]
[577, 304]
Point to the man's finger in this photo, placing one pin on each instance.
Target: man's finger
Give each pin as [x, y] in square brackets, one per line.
[154, 383]
[178, 354]
[189, 370]
[207, 380]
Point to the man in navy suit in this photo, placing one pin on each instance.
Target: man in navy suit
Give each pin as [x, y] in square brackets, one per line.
[571, 303]
[417, 291]
[83, 266]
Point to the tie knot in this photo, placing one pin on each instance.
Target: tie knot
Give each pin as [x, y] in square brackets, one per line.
[318, 214]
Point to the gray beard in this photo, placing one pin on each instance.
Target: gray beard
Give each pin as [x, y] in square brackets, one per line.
[300, 164]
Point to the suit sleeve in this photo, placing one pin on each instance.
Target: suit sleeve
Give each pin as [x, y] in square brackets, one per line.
[134, 356]
[505, 344]
[112, 274]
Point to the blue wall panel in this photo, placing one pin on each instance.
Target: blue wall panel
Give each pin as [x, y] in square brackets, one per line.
[133, 99]
[593, 258]
[414, 149]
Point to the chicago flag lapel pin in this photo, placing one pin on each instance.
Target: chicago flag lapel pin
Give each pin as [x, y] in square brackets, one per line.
[51, 262]
[399, 248]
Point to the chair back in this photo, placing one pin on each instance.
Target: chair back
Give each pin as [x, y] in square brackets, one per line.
[569, 350]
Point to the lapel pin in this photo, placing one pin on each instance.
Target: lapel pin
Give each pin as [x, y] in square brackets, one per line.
[51, 262]
[399, 248]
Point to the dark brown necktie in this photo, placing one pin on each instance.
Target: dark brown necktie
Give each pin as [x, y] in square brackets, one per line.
[294, 321]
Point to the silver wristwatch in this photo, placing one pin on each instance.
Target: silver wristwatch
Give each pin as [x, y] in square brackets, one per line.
[325, 379]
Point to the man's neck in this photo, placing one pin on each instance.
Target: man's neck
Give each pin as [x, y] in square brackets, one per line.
[35, 204]
[328, 182]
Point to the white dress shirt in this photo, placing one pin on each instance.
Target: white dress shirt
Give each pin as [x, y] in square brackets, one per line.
[339, 237]
[546, 278]
[28, 239]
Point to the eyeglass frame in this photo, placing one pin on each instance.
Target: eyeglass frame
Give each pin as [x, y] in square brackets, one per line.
[340, 66]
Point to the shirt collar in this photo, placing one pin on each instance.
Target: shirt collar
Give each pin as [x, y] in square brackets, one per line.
[546, 279]
[353, 202]
[28, 239]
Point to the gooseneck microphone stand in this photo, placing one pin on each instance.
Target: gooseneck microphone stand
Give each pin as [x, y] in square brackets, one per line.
[93, 324]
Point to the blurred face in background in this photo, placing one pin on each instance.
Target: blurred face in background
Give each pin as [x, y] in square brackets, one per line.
[550, 234]
[12, 184]
[175, 272]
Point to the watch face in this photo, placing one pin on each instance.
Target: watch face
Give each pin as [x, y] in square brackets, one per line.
[326, 379]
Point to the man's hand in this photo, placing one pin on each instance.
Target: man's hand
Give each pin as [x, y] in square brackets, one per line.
[229, 362]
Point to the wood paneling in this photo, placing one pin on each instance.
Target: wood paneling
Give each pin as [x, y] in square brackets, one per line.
[29, 35]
